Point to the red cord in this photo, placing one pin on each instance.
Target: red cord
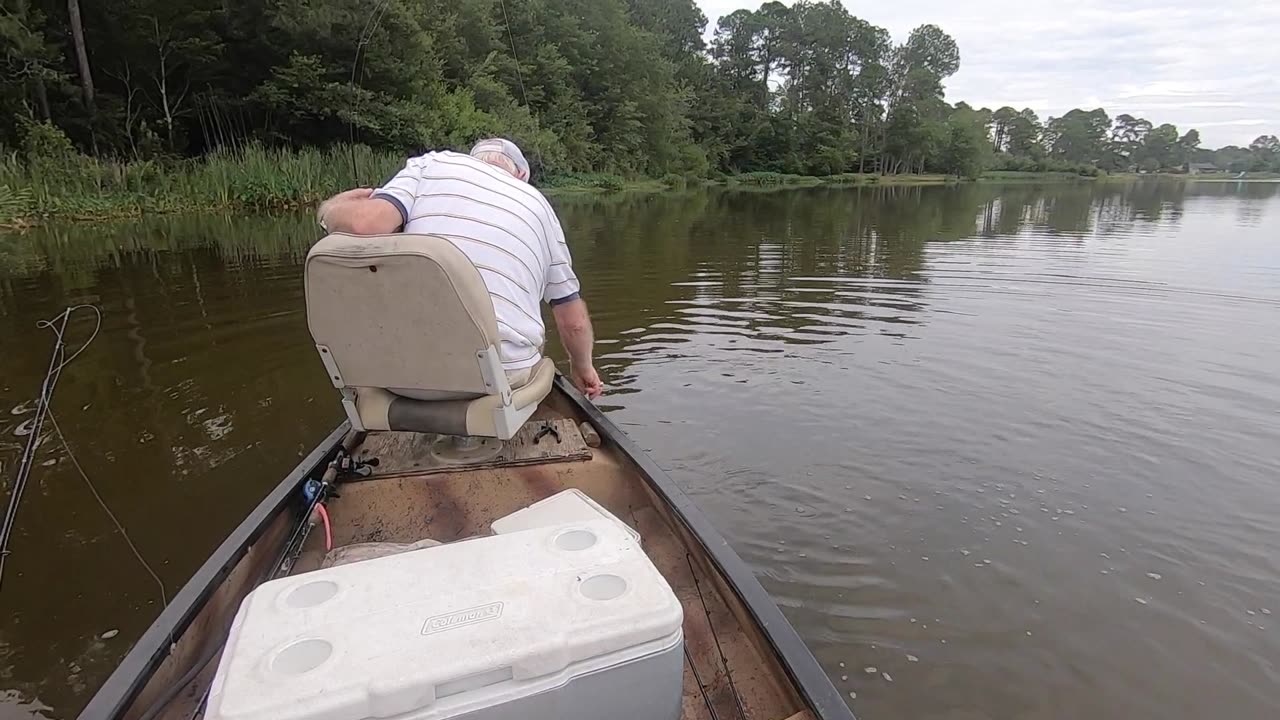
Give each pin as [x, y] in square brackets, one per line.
[328, 528]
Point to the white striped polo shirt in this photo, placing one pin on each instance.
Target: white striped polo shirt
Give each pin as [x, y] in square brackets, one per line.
[507, 229]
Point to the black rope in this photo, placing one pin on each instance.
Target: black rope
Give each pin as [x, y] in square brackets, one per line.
[737, 699]
[701, 687]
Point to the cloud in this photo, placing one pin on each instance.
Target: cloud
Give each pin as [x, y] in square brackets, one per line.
[1211, 66]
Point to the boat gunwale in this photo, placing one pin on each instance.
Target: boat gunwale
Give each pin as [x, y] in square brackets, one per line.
[123, 686]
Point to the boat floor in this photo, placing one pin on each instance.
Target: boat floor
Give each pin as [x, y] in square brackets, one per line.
[730, 672]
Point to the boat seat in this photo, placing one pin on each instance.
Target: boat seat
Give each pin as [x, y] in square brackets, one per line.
[406, 330]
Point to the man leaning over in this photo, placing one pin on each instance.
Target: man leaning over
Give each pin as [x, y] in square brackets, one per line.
[483, 204]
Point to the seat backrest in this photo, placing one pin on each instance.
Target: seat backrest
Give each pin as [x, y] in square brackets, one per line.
[399, 311]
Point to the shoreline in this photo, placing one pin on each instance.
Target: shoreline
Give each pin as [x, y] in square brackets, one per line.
[122, 206]
[104, 208]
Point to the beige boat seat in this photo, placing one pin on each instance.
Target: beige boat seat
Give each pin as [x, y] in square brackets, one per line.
[406, 329]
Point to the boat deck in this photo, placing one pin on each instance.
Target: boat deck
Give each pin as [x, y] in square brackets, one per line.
[729, 671]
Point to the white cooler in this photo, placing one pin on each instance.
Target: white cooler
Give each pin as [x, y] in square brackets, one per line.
[567, 622]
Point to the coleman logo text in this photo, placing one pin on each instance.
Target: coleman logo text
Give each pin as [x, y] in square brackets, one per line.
[470, 616]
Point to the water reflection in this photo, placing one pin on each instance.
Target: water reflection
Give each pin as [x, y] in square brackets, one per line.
[772, 347]
[812, 266]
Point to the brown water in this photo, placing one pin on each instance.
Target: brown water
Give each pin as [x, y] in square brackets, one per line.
[1015, 447]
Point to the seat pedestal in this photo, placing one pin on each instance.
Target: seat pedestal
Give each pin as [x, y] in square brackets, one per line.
[465, 449]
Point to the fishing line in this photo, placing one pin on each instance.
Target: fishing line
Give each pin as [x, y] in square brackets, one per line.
[57, 361]
[371, 24]
[519, 75]
[164, 596]
[537, 124]
[366, 36]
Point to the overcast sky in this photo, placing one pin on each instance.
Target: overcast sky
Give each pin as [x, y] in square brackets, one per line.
[1208, 64]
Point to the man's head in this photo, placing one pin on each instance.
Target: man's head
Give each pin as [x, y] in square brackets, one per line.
[504, 154]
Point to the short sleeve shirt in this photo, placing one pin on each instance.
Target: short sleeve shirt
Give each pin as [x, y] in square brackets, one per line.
[507, 229]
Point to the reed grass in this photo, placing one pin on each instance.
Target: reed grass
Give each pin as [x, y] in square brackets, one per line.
[254, 177]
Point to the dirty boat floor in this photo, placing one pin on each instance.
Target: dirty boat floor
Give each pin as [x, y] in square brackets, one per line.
[729, 672]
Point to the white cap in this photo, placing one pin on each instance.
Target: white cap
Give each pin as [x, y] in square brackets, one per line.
[507, 148]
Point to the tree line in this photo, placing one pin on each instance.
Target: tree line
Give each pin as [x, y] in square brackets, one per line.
[619, 86]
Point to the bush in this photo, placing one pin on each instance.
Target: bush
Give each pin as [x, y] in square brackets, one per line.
[44, 141]
[759, 178]
[584, 181]
[610, 183]
[845, 179]
[674, 181]
[1004, 162]
[773, 179]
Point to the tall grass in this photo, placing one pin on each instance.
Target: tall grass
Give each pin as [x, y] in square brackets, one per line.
[767, 179]
[584, 181]
[254, 177]
[60, 182]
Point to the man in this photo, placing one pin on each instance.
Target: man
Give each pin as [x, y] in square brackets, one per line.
[483, 203]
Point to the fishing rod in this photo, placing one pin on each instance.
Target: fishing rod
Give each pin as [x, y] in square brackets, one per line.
[57, 361]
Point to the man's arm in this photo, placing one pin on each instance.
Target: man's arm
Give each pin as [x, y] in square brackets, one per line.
[574, 325]
[375, 212]
[360, 213]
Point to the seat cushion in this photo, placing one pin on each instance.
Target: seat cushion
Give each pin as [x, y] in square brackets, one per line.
[383, 410]
[515, 379]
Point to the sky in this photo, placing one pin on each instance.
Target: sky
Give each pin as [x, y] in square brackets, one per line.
[1209, 64]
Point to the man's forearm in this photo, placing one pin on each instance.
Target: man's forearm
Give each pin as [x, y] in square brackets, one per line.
[356, 212]
[576, 333]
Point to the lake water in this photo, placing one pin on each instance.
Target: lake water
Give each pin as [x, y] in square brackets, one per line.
[1015, 447]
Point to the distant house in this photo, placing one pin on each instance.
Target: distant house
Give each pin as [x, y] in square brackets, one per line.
[1202, 168]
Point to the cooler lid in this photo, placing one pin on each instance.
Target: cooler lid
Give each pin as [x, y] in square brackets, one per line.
[437, 628]
[566, 506]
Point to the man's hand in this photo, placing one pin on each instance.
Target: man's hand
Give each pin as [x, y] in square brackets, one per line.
[574, 325]
[587, 380]
[327, 205]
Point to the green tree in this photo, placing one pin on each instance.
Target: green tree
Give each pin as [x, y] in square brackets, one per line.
[1001, 122]
[915, 111]
[1234, 158]
[616, 86]
[1024, 135]
[967, 149]
[1161, 146]
[1189, 146]
[1127, 137]
[1078, 136]
[27, 64]
[870, 47]
[1265, 151]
